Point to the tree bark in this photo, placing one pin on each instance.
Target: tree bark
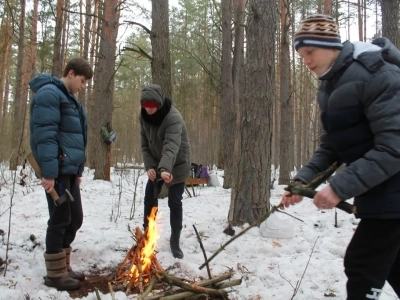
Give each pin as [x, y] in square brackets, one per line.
[251, 192]
[286, 124]
[57, 57]
[161, 62]
[390, 20]
[104, 88]
[19, 104]
[227, 104]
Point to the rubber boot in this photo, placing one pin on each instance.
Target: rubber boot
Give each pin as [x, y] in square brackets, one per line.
[57, 274]
[174, 242]
[76, 275]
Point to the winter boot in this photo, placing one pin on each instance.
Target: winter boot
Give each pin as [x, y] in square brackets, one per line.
[76, 275]
[57, 274]
[174, 242]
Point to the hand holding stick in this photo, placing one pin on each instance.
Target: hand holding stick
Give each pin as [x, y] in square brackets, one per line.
[308, 190]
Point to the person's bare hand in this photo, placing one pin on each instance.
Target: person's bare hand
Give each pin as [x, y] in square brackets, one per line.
[79, 180]
[47, 184]
[151, 173]
[288, 199]
[326, 198]
[167, 176]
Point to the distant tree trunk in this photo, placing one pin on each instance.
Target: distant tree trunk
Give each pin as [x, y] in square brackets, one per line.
[239, 7]
[390, 20]
[360, 20]
[251, 192]
[227, 102]
[33, 48]
[19, 104]
[65, 34]
[93, 131]
[104, 88]
[57, 58]
[6, 42]
[161, 62]
[327, 7]
[84, 48]
[286, 125]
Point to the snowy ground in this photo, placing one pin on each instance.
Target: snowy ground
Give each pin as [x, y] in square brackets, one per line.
[270, 267]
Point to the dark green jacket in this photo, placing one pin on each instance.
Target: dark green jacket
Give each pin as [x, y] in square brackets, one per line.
[166, 145]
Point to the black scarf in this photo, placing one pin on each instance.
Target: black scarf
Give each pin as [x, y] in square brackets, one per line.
[159, 115]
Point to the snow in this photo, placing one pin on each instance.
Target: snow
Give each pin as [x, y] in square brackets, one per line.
[270, 268]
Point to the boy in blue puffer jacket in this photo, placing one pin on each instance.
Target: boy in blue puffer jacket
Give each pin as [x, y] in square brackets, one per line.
[58, 128]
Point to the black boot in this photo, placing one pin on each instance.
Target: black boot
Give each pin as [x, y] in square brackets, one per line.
[174, 242]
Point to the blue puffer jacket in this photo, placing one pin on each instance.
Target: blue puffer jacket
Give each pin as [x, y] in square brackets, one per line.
[58, 127]
[359, 98]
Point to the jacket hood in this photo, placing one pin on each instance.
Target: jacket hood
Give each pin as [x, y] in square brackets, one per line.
[371, 55]
[389, 51]
[153, 92]
[46, 78]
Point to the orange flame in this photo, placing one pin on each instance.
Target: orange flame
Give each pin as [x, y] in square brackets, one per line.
[148, 249]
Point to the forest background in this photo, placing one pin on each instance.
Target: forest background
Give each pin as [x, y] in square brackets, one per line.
[229, 66]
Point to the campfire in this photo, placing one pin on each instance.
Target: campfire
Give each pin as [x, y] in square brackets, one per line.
[140, 272]
[140, 264]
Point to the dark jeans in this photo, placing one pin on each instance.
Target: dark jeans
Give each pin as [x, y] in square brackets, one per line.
[175, 196]
[373, 257]
[66, 219]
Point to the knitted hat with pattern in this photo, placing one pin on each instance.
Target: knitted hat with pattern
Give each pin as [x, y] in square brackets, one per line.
[318, 31]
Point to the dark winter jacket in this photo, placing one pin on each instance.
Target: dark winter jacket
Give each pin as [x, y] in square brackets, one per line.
[359, 99]
[165, 143]
[58, 127]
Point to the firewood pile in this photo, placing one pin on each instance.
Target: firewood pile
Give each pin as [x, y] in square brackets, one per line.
[140, 272]
[137, 269]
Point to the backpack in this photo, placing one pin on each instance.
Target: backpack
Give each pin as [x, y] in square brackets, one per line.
[203, 172]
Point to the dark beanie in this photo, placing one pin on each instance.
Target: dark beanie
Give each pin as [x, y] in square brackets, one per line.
[318, 31]
[152, 93]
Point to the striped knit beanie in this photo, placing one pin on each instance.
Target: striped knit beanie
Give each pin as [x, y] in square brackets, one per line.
[318, 31]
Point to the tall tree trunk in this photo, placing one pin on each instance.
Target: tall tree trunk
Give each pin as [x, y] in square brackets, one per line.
[227, 104]
[250, 192]
[286, 128]
[161, 62]
[390, 20]
[360, 20]
[92, 130]
[328, 7]
[57, 58]
[104, 88]
[19, 104]
[238, 86]
[6, 43]
[85, 38]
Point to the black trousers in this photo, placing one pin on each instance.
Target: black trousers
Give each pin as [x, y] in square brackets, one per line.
[66, 219]
[175, 196]
[373, 257]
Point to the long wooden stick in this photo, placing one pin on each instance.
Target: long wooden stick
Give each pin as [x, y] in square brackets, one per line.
[204, 251]
[254, 224]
